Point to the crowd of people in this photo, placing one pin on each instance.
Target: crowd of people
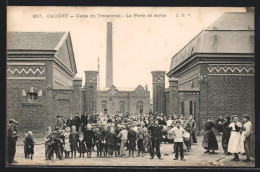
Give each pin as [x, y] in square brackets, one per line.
[112, 135]
[125, 135]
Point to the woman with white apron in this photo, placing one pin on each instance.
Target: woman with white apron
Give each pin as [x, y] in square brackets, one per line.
[234, 144]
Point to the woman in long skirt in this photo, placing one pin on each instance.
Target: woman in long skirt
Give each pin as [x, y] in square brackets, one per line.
[234, 144]
[209, 141]
[223, 128]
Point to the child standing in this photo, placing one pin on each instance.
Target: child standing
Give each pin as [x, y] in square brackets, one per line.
[103, 144]
[98, 142]
[89, 139]
[140, 141]
[123, 135]
[111, 141]
[25, 146]
[132, 139]
[47, 139]
[146, 139]
[82, 147]
[67, 148]
[29, 145]
[74, 139]
[178, 133]
[117, 148]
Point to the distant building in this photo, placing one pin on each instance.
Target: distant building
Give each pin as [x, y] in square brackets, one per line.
[111, 100]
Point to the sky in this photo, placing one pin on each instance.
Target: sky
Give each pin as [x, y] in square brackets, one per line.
[140, 44]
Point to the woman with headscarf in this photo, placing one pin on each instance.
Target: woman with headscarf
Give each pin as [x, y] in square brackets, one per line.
[225, 132]
[209, 141]
[234, 144]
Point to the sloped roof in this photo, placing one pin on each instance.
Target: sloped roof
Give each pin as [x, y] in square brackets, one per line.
[55, 42]
[231, 33]
[33, 40]
[234, 21]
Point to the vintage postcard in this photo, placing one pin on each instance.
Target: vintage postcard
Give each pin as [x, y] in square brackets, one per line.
[130, 86]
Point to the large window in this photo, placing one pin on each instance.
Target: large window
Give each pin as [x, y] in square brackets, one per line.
[91, 98]
[159, 98]
[121, 106]
[192, 107]
[104, 106]
[182, 107]
[139, 107]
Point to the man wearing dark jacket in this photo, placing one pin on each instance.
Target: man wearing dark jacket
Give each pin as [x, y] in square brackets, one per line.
[70, 121]
[84, 121]
[156, 138]
[77, 121]
[12, 139]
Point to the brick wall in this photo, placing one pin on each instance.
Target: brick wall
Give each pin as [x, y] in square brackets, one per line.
[158, 78]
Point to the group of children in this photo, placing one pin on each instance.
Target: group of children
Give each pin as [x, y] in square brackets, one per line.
[110, 139]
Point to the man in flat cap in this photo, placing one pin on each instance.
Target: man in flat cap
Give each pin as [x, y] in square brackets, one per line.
[12, 135]
[156, 138]
[59, 123]
[247, 132]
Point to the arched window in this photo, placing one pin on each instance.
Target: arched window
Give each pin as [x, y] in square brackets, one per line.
[159, 99]
[91, 98]
[104, 106]
[121, 106]
[139, 107]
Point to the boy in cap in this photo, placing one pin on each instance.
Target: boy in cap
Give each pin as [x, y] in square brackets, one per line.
[74, 139]
[140, 141]
[89, 139]
[111, 141]
[55, 141]
[178, 133]
[123, 135]
[131, 140]
[117, 147]
[103, 141]
[98, 141]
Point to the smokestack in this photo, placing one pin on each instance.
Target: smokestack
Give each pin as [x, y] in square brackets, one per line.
[109, 65]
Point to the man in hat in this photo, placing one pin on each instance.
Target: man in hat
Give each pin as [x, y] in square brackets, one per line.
[59, 123]
[55, 141]
[247, 132]
[12, 135]
[84, 121]
[77, 121]
[156, 138]
[193, 128]
[70, 121]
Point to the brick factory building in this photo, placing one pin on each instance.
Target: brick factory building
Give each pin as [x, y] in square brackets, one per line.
[41, 82]
[214, 74]
[40, 78]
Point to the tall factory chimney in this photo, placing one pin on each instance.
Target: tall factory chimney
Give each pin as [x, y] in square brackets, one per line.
[109, 62]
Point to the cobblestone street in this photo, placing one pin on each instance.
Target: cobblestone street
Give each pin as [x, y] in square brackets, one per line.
[194, 158]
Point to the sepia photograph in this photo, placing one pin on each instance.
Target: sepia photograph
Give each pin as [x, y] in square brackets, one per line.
[130, 86]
